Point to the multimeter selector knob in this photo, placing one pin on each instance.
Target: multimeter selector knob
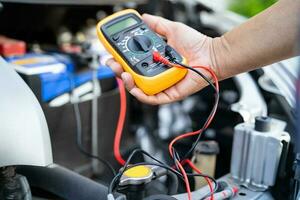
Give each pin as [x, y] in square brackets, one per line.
[140, 43]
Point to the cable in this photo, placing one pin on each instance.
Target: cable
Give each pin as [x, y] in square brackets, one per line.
[186, 180]
[118, 134]
[204, 126]
[120, 125]
[207, 179]
[158, 58]
[79, 132]
[96, 92]
[79, 141]
[177, 160]
[212, 113]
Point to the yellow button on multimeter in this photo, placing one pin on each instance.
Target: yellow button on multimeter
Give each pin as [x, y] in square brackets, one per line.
[132, 43]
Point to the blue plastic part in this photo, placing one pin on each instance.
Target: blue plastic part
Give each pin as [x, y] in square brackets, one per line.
[54, 85]
[44, 60]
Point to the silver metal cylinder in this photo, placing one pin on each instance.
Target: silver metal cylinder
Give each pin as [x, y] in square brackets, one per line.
[256, 152]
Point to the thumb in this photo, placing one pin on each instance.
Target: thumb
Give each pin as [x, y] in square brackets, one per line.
[159, 25]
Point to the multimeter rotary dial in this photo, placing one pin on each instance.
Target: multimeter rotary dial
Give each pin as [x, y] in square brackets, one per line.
[140, 44]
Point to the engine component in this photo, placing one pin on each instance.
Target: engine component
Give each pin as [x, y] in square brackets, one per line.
[205, 158]
[38, 63]
[134, 180]
[51, 75]
[160, 197]
[11, 47]
[13, 186]
[64, 183]
[173, 120]
[256, 152]
[247, 106]
[227, 182]
[225, 194]
[296, 191]
[136, 176]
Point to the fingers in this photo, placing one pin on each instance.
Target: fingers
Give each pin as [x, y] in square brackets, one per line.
[159, 25]
[135, 91]
[128, 81]
[160, 98]
[130, 85]
[115, 66]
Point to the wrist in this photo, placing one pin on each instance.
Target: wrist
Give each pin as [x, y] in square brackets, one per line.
[220, 56]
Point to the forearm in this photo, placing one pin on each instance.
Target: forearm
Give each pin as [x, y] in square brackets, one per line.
[264, 39]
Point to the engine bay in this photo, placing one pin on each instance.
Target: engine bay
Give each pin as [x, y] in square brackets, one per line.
[247, 152]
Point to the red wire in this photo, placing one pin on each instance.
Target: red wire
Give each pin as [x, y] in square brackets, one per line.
[198, 132]
[186, 180]
[120, 125]
[118, 134]
[158, 58]
[182, 137]
[191, 164]
[189, 134]
[121, 120]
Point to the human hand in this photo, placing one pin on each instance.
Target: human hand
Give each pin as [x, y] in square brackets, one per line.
[191, 44]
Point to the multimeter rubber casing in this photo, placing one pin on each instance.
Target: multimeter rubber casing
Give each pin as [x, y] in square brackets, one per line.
[131, 42]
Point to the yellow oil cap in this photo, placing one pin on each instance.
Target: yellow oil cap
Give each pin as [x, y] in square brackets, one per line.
[140, 171]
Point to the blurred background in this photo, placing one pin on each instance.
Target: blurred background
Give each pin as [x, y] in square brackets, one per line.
[249, 8]
[53, 45]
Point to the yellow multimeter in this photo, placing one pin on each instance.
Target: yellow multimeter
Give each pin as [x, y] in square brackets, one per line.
[131, 42]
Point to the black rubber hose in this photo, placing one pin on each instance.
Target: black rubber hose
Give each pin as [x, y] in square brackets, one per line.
[64, 183]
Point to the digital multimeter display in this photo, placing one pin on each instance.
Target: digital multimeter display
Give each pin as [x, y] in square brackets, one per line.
[121, 25]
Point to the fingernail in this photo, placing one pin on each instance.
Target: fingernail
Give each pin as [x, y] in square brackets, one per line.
[124, 77]
[108, 62]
